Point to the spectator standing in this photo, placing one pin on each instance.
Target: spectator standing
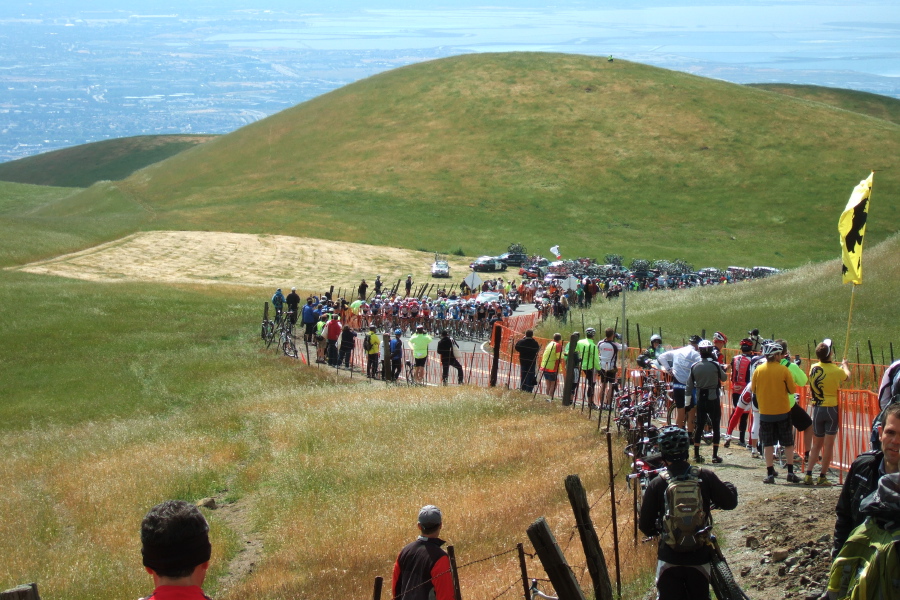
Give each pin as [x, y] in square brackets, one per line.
[608, 350]
[308, 317]
[321, 343]
[377, 285]
[422, 569]
[176, 550]
[332, 334]
[408, 285]
[372, 352]
[293, 304]
[589, 354]
[550, 363]
[348, 340]
[362, 289]
[772, 382]
[681, 574]
[445, 349]
[706, 378]
[825, 379]
[396, 354]
[418, 343]
[528, 349]
[800, 419]
[678, 362]
[278, 302]
[740, 377]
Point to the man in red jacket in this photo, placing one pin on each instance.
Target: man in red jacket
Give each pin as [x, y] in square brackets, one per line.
[422, 570]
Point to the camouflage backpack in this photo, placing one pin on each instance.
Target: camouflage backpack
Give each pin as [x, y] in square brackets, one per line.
[685, 522]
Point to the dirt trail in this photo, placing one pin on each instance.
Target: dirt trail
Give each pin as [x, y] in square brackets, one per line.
[246, 259]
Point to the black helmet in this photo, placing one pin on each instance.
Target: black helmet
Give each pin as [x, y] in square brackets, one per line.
[674, 443]
[695, 339]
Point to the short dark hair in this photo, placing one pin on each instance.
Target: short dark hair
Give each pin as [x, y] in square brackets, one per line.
[610, 332]
[891, 410]
[529, 333]
[174, 539]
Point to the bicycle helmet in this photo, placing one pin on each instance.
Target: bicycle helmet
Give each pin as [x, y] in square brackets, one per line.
[655, 338]
[705, 344]
[674, 443]
[590, 331]
[695, 339]
[746, 342]
[771, 349]
[398, 332]
[720, 337]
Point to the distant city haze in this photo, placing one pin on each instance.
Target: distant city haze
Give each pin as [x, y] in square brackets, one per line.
[105, 69]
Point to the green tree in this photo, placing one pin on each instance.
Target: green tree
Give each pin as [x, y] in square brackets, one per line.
[613, 259]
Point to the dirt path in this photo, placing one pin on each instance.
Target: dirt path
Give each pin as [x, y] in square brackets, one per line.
[792, 524]
[245, 259]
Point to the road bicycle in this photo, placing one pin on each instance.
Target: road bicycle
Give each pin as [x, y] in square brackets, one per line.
[287, 338]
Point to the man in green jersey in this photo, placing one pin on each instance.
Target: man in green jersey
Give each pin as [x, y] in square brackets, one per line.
[590, 361]
[419, 345]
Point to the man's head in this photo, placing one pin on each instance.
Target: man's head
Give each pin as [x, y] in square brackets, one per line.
[557, 337]
[529, 333]
[706, 348]
[398, 332]
[309, 300]
[784, 348]
[420, 329]
[175, 539]
[445, 333]
[695, 340]
[372, 328]
[825, 350]
[293, 289]
[719, 340]
[655, 340]
[674, 443]
[890, 436]
[590, 331]
[430, 519]
[746, 345]
[772, 351]
[609, 333]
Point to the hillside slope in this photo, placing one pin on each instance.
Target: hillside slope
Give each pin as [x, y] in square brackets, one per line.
[874, 105]
[81, 166]
[476, 151]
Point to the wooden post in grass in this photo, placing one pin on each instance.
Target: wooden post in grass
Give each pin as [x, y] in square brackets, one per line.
[376, 592]
[612, 503]
[570, 370]
[29, 591]
[266, 310]
[524, 570]
[454, 573]
[596, 563]
[554, 561]
[495, 363]
[386, 362]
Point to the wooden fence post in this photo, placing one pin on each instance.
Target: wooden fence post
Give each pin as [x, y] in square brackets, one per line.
[454, 572]
[570, 370]
[376, 593]
[495, 363]
[29, 591]
[612, 502]
[554, 561]
[596, 563]
[524, 569]
[386, 363]
[266, 310]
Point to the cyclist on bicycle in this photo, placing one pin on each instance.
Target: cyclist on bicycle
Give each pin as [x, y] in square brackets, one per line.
[682, 573]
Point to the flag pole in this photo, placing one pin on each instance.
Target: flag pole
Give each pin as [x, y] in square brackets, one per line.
[849, 319]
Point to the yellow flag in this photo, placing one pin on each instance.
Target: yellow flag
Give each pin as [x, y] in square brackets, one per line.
[852, 227]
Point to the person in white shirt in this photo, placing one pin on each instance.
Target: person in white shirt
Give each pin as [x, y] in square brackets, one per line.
[609, 351]
[678, 362]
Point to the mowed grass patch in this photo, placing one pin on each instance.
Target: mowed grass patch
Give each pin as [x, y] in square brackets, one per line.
[801, 305]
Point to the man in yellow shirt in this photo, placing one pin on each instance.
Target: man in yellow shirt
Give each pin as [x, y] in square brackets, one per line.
[419, 345]
[550, 362]
[372, 353]
[771, 383]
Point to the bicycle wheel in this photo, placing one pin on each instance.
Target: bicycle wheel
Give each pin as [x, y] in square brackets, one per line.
[289, 349]
[723, 583]
[670, 414]
[269, 333]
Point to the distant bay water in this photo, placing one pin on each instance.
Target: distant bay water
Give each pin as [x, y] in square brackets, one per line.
[73, 75]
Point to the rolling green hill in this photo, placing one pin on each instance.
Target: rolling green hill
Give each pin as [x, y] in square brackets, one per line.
[478, 151]
[874, 105]
[81, 166]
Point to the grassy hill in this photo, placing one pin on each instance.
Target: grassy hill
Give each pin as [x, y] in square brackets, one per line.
[81, 166]
[481, 150]
[874, 105]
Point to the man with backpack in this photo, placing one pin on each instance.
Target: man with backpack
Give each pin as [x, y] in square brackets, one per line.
[862, 479]
[278, 302]
[676, 507]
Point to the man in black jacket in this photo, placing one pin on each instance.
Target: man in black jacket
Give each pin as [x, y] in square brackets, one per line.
[528, 349]
[681, 574]
[293, 304]
[445, 351]
[422, 569]
[862, 479]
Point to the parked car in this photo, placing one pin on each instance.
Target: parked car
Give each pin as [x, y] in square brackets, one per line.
[537, 268]
[488, 297]
[488, 263]
[440, 268]
[765, 271]
[515, 259]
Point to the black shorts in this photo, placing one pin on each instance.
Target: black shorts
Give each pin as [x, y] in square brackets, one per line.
[420, 362]
[550, 375]
[608, 376]
[799, 418]
[310, 328]
[776, 431]
[678, 394]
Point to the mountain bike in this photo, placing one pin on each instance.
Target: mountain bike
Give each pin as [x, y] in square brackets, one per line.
[287, 338]
[536, 593]
[722, 579]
